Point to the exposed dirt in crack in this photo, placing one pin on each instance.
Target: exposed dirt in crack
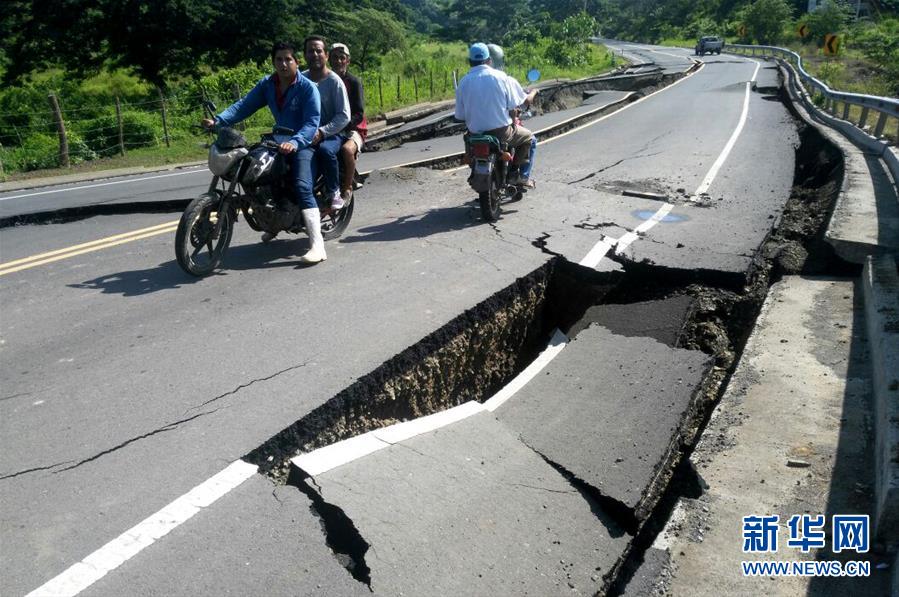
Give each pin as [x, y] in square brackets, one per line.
[479, 351]
[469, 358]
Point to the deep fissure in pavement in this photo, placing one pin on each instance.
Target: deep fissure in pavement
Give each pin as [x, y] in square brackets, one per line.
[341, 534]
[725, 316]
[479, 351]
[469, 358]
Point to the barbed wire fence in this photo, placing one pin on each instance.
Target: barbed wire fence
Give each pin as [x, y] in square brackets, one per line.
[59, 134]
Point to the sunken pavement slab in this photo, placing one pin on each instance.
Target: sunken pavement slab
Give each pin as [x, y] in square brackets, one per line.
[469, 510]
[612, 410]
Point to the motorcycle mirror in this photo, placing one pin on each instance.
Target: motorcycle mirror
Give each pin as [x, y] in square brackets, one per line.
[533, 75]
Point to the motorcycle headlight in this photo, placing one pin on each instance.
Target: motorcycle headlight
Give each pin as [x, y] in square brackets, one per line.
[221, 161]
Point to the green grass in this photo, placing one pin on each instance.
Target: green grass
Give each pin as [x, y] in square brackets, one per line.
[429, 66]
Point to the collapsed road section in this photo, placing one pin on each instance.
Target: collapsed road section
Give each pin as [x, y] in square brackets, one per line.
[563, 485]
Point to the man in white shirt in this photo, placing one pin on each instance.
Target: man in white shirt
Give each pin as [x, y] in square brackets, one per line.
[485, 99]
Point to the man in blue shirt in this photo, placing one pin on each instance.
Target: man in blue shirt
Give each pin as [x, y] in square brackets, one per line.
[294, 102]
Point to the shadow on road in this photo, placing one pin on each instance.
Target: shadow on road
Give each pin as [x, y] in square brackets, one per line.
[283, 252]
[434, 221]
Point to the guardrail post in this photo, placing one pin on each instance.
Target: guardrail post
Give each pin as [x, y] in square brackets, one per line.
[881, 122]
[845, 110]
[863, 118]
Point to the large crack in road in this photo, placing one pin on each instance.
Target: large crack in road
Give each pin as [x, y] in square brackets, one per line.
[472, 356]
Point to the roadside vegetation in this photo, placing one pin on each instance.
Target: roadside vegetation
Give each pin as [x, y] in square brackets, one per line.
[401, 60]
[171, 54]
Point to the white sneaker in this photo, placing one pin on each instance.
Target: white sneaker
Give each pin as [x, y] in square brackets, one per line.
[337, 201]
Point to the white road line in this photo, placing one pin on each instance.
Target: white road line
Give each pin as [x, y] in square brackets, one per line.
[556, 344]
[103, 184]
[598, 251]
[399, 432]
[713, 171]
[112, 555]
[625, 241]
[687, 58]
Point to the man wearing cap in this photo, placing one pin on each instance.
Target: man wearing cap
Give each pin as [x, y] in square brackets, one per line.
[355, 132]
[484, 99]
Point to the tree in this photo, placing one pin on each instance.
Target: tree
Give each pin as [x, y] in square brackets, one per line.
[369, 32]
[832, 17]
[471, 21]
[155, 38]
[765, 19]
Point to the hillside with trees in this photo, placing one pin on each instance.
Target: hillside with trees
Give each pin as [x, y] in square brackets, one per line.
[164, 56]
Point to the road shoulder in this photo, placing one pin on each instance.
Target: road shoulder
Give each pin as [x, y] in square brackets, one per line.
[782, 443]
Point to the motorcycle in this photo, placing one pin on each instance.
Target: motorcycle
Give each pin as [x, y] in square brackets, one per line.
[490, 162]
[490, 165]
[251, 179]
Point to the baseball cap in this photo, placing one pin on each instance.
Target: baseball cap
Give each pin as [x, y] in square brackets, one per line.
[478, 52]
[342, 47]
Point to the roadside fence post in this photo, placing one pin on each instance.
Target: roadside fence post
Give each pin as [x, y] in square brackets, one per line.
[431, 76]
[118, 118]
[61, 128]
[415, 86]
[397, 88]
[380, 92]
[165, 121]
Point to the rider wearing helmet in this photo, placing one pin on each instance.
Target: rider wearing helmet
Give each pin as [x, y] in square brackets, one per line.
[485, 100]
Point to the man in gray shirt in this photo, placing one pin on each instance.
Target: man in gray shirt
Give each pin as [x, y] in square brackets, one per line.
[335, 115]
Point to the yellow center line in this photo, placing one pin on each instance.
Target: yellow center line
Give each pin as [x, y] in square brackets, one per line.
[103, 243]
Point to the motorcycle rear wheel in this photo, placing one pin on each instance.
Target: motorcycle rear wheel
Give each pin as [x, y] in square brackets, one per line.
[489, 200]
[198, 250]
[334, 223]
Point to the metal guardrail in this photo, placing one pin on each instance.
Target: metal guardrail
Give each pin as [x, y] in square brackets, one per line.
[886, 107]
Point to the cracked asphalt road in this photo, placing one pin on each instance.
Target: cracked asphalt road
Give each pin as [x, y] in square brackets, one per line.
[105, 353]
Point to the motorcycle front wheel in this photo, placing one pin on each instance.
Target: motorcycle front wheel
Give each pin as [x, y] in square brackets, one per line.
[198, 248]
